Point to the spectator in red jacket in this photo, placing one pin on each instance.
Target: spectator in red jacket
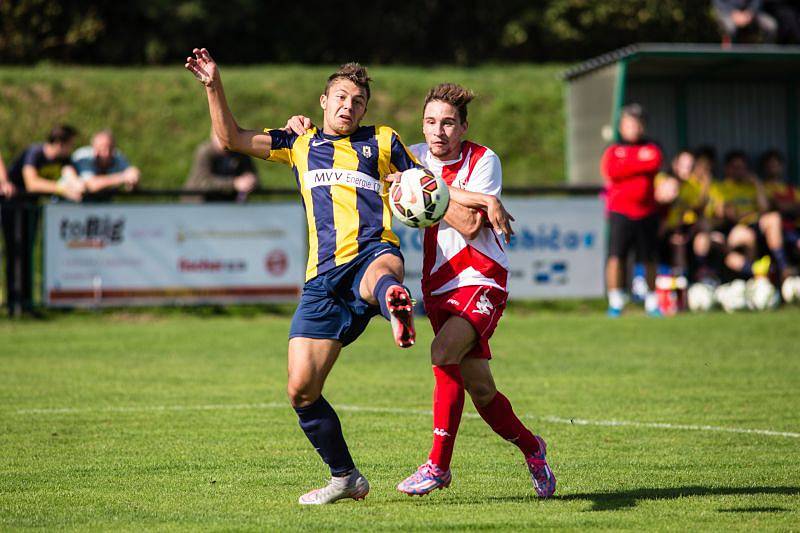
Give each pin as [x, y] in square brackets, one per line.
[629, 168]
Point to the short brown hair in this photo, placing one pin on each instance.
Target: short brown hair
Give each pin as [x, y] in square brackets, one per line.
[453, 94]
[353, 72]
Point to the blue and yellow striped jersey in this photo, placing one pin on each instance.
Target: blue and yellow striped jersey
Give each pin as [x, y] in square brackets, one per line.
[345, 195]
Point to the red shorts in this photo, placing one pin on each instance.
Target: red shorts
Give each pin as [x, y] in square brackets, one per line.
[479, 305]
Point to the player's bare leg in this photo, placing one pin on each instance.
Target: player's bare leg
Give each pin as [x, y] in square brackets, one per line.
[614, 275]
[771, 225]
[382, 285]
[742, 245]
[310, 362]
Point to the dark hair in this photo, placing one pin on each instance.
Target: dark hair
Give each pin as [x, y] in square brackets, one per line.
[453, 94]
[707, 151]
[62, 133]
[765, 156]
[736, 154]
[634, 110]
[353, 72]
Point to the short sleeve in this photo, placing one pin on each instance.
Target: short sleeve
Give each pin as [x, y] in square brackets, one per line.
[402, 158]
[32, 156]
[487, 176]
[282, 142]
[120, 162]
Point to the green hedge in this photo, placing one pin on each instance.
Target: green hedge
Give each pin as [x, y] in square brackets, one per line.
[159, 114]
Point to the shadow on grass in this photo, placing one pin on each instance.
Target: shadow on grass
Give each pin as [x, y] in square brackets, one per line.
[612, 501]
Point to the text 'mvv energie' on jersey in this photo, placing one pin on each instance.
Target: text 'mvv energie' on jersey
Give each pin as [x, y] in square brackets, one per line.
[342, 181]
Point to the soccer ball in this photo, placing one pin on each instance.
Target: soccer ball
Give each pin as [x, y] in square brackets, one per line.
[731, 296]
[419, 199]
[701, 297]
[761, 295]
[790, 290]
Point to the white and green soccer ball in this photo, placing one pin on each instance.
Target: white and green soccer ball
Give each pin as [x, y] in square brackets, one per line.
[419, 199]
[700, 297]
[761, 295]
[732, 296]
[790, 290]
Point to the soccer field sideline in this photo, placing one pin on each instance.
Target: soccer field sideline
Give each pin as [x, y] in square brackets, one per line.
[421, 412]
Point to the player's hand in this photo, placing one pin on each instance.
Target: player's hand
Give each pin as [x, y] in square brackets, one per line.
[203, 67]
[298, 125]
[499, 218]
[394, 177]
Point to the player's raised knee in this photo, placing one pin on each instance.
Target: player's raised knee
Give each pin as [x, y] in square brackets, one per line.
[444, 352]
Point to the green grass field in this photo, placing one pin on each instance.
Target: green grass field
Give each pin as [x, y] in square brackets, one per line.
[179, 422]
[160, 115]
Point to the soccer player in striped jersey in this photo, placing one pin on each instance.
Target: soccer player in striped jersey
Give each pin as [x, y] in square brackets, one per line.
[465, 272]
[355, 268]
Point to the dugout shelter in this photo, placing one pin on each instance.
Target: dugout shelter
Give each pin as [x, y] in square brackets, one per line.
[745, 97]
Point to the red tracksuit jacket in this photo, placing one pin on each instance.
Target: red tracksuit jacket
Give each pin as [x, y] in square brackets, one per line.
[629, 171]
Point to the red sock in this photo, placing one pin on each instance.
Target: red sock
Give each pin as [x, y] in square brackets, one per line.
[501, 418]
[448, 403]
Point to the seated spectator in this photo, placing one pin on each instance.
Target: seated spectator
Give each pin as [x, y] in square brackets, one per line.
[787, 15]
[684, 195]
[739, 210]
[102, 167]
[226, 175]
[739, 19]
[42, 168]
[782, 197]
[629, 168]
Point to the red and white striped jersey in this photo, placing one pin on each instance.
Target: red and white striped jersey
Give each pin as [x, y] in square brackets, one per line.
[450, 260]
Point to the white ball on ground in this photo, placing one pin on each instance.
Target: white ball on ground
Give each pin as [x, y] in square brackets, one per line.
[790, 290]
[761, 294]
[700, 297]
[731, 296]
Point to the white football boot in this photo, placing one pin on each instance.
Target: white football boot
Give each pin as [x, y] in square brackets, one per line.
[354, 486]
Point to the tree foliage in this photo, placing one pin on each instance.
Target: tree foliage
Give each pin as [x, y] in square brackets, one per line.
[416, 32]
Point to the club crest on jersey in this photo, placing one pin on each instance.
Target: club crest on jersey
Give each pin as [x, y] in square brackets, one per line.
[367, 151]
[483, 306]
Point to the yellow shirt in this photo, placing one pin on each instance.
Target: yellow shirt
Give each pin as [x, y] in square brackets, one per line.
[686, 206]
[741, 196]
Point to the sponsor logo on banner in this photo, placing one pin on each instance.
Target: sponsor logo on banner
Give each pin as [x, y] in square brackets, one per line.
[92, 231]
[276, 262]
[552, 237]
[184, 235]
[333, 176]
[212, 265]
[551, 272]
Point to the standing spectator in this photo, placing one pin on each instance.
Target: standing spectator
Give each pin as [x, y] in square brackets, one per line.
[42, 168]
[102, 167]
[787, 15]
[629, 168]
[226, 175]
[738, 18]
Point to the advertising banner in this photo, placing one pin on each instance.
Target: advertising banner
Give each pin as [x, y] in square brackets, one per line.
[558, 250]
[116, 254]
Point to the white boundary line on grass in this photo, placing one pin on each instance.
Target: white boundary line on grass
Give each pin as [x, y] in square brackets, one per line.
[402, 411]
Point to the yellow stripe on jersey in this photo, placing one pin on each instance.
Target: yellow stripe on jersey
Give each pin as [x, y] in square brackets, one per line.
[384, 135]
[301, 146]
[345, 204]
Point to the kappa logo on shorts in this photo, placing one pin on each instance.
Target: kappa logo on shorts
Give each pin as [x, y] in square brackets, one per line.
[453, 301]
[440, 432]
[483, 306]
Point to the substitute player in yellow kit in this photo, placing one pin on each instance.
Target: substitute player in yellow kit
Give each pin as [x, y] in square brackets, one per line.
[355, 268]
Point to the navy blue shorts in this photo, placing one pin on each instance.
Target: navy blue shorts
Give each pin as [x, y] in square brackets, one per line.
[331, 306]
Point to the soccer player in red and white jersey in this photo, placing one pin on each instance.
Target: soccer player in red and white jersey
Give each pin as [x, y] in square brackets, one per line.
[465, 272]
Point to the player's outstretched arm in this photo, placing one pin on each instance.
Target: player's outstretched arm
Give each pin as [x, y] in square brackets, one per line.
[232, 137]
[498, 217]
